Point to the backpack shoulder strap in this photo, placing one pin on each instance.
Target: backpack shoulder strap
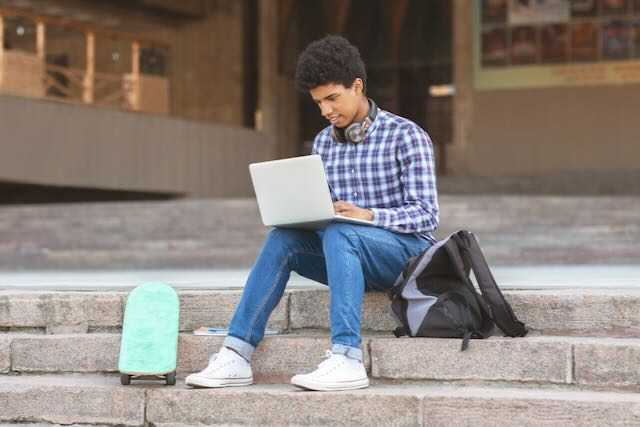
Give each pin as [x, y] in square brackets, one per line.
[501, 311]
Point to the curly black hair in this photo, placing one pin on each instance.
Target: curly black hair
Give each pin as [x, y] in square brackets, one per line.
[332, 59]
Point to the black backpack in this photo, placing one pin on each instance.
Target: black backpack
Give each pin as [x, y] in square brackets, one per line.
[435, 297]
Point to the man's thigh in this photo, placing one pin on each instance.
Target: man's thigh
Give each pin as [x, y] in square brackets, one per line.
[383, 253]
[304, 248]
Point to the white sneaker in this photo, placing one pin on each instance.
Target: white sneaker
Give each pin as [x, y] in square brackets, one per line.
[226, 368]
[338, 372]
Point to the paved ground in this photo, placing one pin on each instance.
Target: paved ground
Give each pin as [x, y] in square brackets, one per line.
[536, 277]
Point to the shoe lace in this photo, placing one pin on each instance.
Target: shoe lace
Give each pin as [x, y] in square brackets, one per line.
[328, 354]
[210, 367]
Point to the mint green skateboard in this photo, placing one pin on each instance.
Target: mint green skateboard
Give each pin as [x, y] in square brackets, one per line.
[149, 345]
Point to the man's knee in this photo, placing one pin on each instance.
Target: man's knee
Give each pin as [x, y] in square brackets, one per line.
[283, 237]
[340, 233]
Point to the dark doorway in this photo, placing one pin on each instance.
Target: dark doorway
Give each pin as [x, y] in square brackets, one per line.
[407, 48]
[27, 193]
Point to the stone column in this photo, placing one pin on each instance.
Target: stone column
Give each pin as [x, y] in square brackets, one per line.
[1, 48]
[267, 120]
[458, 152]
[278, 112]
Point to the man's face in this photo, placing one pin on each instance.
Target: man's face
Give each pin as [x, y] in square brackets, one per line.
[337, 103]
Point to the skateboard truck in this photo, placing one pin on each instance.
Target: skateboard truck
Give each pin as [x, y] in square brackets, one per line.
[170, 378]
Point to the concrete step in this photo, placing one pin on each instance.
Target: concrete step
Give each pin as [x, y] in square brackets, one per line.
[241, 211]
[102, 400]
[571, 312]
[228, 233]
[596, 363]
[190, 254]
[577, 312]
[70, 399]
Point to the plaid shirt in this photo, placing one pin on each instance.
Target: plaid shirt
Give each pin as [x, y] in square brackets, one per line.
[391, 172]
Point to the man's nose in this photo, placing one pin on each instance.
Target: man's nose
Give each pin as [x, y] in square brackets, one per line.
[325, 109]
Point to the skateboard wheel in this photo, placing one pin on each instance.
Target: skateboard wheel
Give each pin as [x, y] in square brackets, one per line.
[171, 378]
[125, 379]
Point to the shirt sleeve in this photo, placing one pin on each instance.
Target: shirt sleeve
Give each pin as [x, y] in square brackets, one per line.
[317, 140]
[419, 213]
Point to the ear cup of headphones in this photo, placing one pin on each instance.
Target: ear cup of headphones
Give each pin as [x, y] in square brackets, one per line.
[355, 132]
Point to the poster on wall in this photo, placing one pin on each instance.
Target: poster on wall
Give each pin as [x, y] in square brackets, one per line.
[494, 47]
[584, 41]
[614, 7]
[584, 8]
[538, 11]
[543, 43]
[554, 41]
[524, 45]
[494, 11]
[616, 40]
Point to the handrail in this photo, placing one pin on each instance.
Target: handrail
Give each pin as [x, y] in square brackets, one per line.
[82, 27]
[86, 85]
[67, 70]
[108, 76]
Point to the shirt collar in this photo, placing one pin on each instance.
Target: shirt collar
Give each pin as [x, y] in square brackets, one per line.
[372, 127]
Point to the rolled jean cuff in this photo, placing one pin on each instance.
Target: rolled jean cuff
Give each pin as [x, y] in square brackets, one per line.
[243, 348]
[350, 352]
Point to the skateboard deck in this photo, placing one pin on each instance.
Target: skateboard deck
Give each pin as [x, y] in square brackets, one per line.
[150, 333]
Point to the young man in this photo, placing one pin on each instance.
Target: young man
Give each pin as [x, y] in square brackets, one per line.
[380, 168]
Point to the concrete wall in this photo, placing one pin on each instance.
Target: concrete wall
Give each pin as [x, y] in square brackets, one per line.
[538, 131]
[54, 143]
[555, 129]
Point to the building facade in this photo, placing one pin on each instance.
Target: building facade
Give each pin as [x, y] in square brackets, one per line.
[176, 98]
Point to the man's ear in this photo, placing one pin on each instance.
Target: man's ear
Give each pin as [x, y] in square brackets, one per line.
[358, 85]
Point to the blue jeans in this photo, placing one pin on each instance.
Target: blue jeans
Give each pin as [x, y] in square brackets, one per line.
[349, 258]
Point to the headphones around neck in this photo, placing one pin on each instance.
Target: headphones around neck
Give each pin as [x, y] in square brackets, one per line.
[355, 132]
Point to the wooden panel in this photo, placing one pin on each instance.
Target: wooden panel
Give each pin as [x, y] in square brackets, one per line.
[151, 94]
[23, 74]
[206, 66]
[337, 12]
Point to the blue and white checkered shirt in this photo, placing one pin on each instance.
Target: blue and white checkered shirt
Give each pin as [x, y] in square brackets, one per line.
[391, 172]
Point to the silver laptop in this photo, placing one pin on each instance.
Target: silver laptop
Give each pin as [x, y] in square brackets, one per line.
[294, 193]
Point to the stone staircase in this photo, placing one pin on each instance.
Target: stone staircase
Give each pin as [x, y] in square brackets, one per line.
[513, 230]
[578, 366]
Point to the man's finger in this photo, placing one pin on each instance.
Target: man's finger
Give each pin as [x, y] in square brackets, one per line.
[344, 207]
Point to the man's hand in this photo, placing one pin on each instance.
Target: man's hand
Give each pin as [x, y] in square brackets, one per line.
[352, 211]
